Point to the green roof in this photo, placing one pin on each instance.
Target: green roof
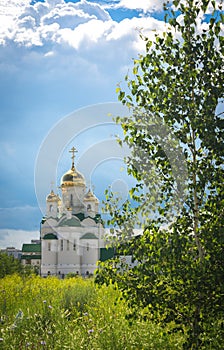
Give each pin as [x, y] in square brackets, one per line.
[50, 236]
[43, 220]
[88, 235]
[31, 248]
[98, 219]
[106, 253]
[31, 257]
[52, 217]
[81, 216]
[71, 222]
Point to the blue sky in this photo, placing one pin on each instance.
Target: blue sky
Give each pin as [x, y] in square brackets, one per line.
[56, 57]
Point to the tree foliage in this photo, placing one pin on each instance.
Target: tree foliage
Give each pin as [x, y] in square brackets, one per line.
[9, 265]
[174, 93]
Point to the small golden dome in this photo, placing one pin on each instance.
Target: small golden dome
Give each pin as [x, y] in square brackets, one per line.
[90, 197]
[52, 197]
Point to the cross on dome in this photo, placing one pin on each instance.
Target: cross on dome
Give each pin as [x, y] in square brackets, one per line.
[73, 150]
[52, 185]
[90, 186]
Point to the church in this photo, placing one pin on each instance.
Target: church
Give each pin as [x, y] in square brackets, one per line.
[71, 233]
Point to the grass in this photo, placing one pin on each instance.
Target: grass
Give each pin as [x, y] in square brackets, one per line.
[53, 314]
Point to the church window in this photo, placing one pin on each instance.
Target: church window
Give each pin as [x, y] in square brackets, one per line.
[51, 208]
[71, 200]
[62, 244]
[67, 244]
[74, 245]
[89, 207]
[49, 246]
[87, 247]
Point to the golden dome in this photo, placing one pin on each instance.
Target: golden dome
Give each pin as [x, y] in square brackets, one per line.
[72, 178]
[90, 197]
[52, 197]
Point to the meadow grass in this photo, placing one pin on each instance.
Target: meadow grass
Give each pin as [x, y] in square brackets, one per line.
[74, 313]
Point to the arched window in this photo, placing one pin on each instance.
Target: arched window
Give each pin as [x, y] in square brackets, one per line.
[88, 207]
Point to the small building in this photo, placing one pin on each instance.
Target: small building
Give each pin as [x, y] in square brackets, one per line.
[12, 251]
[31, 254]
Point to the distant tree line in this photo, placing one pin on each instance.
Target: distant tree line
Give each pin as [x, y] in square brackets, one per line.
[10, 265]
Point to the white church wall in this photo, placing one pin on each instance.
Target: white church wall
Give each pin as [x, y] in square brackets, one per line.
[49, 251]
[90, 251]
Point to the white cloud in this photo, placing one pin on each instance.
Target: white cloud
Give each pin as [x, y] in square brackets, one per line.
[16, 238]
[10, 10]
[72, 23]
[28, 37]
[83, 22]
[66, 16]
[144, 5]
[18, 19]
[130, 28]
[102, 33]
[91, 32]
[49, 54]
[76, 39]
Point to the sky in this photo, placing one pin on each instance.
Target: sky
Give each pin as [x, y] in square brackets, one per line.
[60, 63]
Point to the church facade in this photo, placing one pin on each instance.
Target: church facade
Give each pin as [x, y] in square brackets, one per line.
[72, 234]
